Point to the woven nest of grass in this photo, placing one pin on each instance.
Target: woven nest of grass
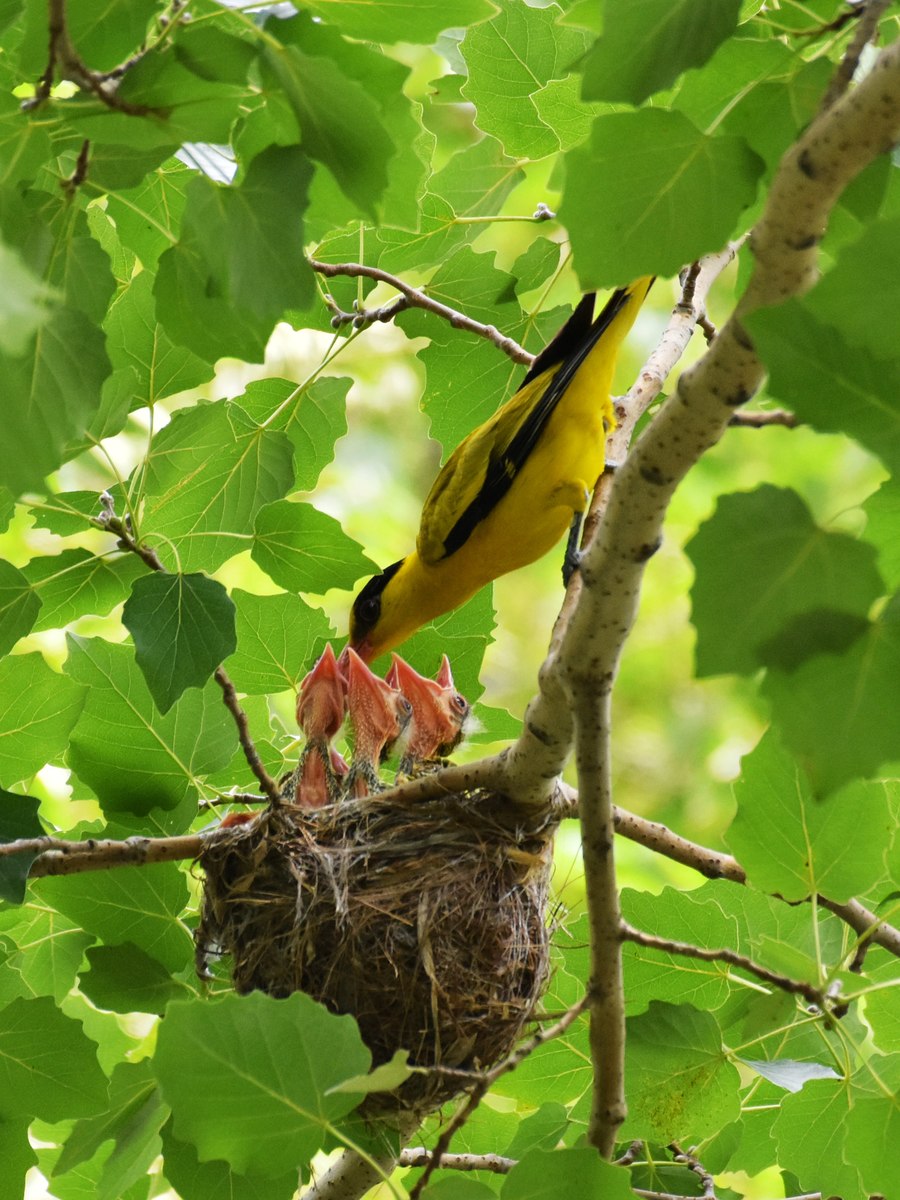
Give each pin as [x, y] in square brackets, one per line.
[426, 923]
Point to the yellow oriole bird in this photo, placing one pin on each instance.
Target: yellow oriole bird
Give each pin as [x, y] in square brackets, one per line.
[512, 488]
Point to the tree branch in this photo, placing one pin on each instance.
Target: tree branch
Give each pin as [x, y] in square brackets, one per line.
[761, 420]
[797, 987]
[416, 298]
[487, 1081]
[419, 1156]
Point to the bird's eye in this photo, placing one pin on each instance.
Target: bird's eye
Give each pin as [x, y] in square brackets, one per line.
[460, 702]
[370, 610]
[404, 704]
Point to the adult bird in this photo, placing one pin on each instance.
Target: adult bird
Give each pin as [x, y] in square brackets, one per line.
[514, 486]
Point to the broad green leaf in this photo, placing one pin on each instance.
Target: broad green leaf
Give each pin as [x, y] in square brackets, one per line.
[38, 709]
[131, 904]
[828, 383]
[510, 58]
[476, 181]
[133, 758]
[339, 122]
[267, 1067]
[860, 295]
[678, 1080]
[305, 550]
[124, 979]
[138, 341]
[385, 1078]
[193, 1178]
[49, 949]
[7, 508]
[763, 559]
[23, 303]
[17, 1157]
[810, 1130]
[561, 1174]
[541, 1131]
[18, 819]
[132, 1122]
[71, 512]
[52, 391]
[536, 265]
[278, 638]
[48, 1068]
[148, 217]
[666, 208]
[239, 264]
[76, 582]
[24, 142]
[647, 44]
[208, 473]
[105, 32]
[312, 416]
[654, 975]
[797, 846]
[883, 528]
[838, 712]
[417, 21]
[19, 606]
[873, 1127]
[183, 628]
[882, 1008]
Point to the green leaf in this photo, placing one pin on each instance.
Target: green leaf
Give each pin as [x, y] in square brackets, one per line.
[52, 391]
[148, 217]
[38, 709]
[132, 1121]
[278, 638]
[312, 416]
[541, 1131]
[125, 979]
[131, 904]
[133, 758]
[19, 606]
[647, 44]
[305, 550]
[105, 32]
[48, 1068]
[510, 59]
[561, 1174]
[666, 208]
[860, 295]
[239, 263]
[763, 560]
[838, 712]
[873, 1127]
[796, 846]
[17, 1157]
[71, 512]
[193, 1178]
[18, 819]
[418, 21]
[536, 265]
[340, 123]
[183, 628]
[810, 1130]
[828, 383]
[654, 975]
[142, 352]
[267, 1067]
[385, 1078]
[49, 949]
[208, 473]
[23, 303]
[883, 528]
[678, 1080]
[76, 582]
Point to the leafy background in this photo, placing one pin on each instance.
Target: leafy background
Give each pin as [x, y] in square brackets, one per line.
[163, 339]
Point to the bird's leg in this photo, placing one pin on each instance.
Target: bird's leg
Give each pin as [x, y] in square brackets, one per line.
[572, 558]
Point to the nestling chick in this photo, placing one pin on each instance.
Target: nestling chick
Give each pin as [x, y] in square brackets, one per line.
[440, 715]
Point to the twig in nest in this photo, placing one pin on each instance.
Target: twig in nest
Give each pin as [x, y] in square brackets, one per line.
[416, 298]
[478, 1092]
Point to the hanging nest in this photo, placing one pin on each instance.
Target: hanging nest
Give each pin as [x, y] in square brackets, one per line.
[427, 923]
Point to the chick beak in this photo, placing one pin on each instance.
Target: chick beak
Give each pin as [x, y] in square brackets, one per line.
[321, 699]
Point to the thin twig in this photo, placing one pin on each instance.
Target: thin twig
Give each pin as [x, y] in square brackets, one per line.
[478, 1092]
[869, 14]
[419, 1156]
[762, 420]
[796, 987]
[415, 298]
[694, 1164]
